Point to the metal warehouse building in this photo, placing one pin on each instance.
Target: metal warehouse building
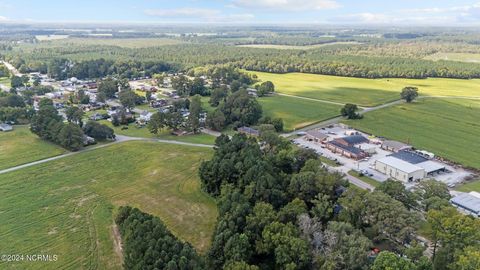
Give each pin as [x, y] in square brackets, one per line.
[468, 203]
[399, 169]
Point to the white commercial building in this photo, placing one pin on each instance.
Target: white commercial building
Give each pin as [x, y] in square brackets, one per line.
[399, 169]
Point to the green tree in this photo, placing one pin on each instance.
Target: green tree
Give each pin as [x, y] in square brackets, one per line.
[397, 190]
[108, 87]
[98, 131]
[129, 99]
[409, 93]
[194, 116]
[265, 88]
[387, 260]
[71, 137]
[350, 111]
[74, 115]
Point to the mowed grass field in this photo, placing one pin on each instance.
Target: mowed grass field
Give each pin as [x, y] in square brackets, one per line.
[470, 186]
[21, 146]
[449, 128]
[297, 113]
[66, 207]
[365, 92]
[461, 57]
[143, 132]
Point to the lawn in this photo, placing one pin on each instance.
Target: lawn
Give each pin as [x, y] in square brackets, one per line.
[143, 132]
[449, 128]
[366, 92]
[364, 178]
[470, 186]
[461, 57]
[296, 112]
[20, 146]
[66, 207]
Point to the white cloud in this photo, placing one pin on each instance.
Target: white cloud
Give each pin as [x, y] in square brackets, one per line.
[291, 5]
[3, 19]
[183, 12]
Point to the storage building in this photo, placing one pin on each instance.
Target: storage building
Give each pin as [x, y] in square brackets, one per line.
[399, 169]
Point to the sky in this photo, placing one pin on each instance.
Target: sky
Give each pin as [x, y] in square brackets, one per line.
[341, 12]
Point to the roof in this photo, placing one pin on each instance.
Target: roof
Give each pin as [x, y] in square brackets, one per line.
[354, 139]
[409, 157]
[431, 166]
[394, 144]
[248, 130]
[317, 134]
[399, 164]
[467, 201]
[5, 127]
[351, 149]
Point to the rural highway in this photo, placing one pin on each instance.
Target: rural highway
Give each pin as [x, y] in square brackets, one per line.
[119, 139]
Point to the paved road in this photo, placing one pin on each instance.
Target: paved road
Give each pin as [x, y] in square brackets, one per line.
[120, 139]
[12, 69]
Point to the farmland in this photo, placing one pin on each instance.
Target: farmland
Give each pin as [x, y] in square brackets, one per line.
[293, 47]
[366, 92]
[65, 207]
[296, 112]
[120, 42]
[21, 146]
[461, 57]
[447, 127]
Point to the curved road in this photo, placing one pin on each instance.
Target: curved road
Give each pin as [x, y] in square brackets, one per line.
[120, 139]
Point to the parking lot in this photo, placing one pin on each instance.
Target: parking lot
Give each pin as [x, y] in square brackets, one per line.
[452, 177]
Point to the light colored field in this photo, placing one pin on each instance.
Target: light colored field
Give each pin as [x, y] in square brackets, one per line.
[5, 81]
[66, 207]
[449, 128]
[290, 47]
[121, 42]
[297, 113]
[143, 132]
[366, 92]
[50, 37]
[21, 146]
[461, 57]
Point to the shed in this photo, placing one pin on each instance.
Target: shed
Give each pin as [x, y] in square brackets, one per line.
[316, 136]
[468, 203]
[394, 146]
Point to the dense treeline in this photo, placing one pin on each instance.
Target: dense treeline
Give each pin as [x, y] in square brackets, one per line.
[148, 244]
[280, 209]
[369, 60]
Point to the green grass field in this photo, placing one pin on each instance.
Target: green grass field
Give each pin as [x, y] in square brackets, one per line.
[143, 132]
[447, 127]
[461, 57]
[21, 146]
[366, 92]
[66, 207]
[470, 186]
[297, 113]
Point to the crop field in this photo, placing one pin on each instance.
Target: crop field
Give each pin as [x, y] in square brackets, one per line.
[292, 47]
[66, 207]
[447, 127]
[21, 146]
[121, 42]
[297, 113]
[365, 92]
[461, 57]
